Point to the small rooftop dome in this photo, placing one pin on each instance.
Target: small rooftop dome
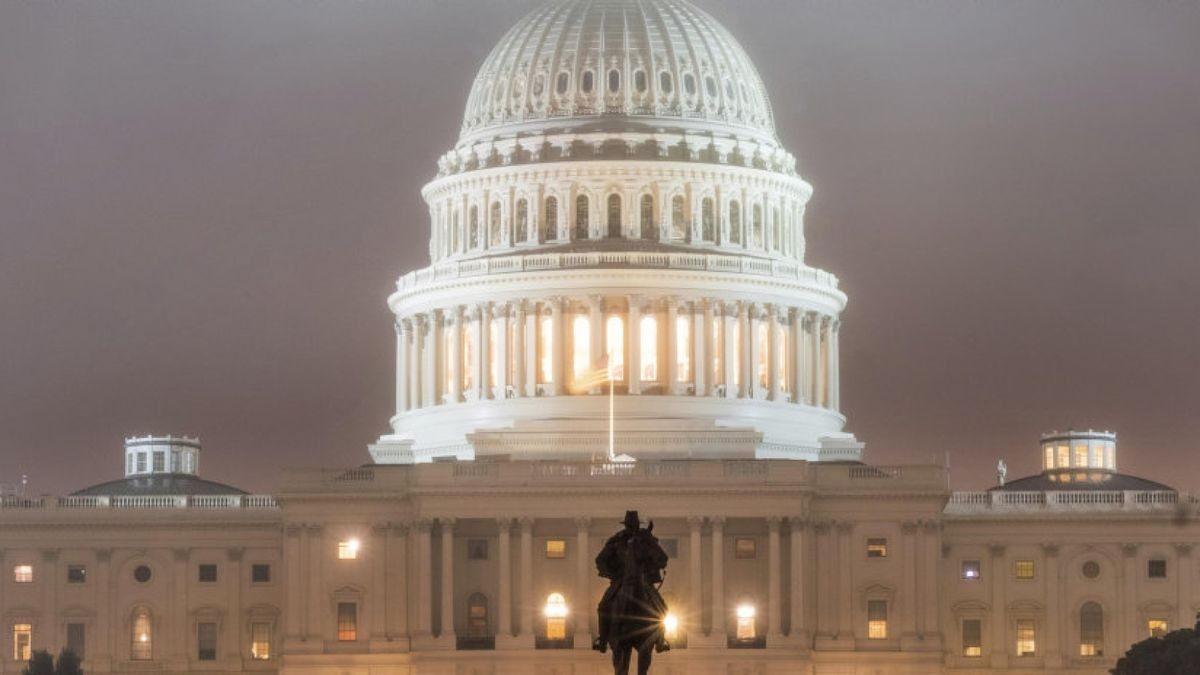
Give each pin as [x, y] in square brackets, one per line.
[161, 465]
[1080, 460]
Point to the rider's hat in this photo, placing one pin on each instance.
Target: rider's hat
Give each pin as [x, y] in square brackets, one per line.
[631, 519]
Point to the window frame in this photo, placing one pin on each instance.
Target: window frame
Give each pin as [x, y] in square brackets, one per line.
[967, 564]
[877, 548]
[206, 570]
[254, 569]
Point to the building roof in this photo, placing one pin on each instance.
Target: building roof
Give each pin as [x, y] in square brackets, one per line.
[1055, 481]
[160, 484]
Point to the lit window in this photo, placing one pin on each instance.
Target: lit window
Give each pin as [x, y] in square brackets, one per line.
[260, 641]
[493, 352]
[556, 617]
[614, 337]
[1049, 459]
[746, 628]
[206, 641]
[1024, 569]
[477, 549]
[1096, 456]
[141, 636]
[649, 349]
[745, 548]
[581, 338]
[348, 549]
[1064, 456]
[23, 574]
[22, 641]
[1081, 455]
[877, 620]
[970, 569]
[347, 622]
[1026, 638]
[764, 353]
[1157, 627]
[556, 549]
[671, 626]
[77, 640]
[972, 637]
[1156, 569]
[468, 355]
[477, 616]
[546, 362]
[260, 573]
[781, 374]
[207, 574]
[1091, 630]
[1110, 456]
[683, 349]
[877, 548]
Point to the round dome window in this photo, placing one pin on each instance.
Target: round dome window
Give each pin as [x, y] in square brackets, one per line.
[142, 574]
[1091, 569]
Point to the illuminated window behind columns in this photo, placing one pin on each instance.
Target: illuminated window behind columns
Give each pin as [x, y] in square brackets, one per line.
[1048, 462]
[649, 349]
[718, 353]
[1110, 456]
[493, 353]
[1026, 638]
[546, 348]
[683, 348]
[1157, 627]
[785, 382]
[1064, 456]
[614, 338]
[877, 620]
[581, 338]
[467, 376]
[1096, 455]
[738, 338]
[764, 353]
[141, 636]
[1081, 454]
[447, 360]
[22, 641]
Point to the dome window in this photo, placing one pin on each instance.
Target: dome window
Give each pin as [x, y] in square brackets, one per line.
[707, 220]
[745, 93]
[639, 81]
[564, 81]
[729, 92]
[735, 222]
[550, 225]
[522, 220]
[614, 80]
[664, 82]
[614, 216]
[581, 217]
[689, 84]
[588, 81]
[649, 231]
[539, 84]
[678, 227]
[710, 86]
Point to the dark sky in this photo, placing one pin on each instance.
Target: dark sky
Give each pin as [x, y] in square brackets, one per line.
[203, 206]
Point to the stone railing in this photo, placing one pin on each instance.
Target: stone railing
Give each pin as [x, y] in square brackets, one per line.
[1004, 501]
[532, 262]
[195, 502]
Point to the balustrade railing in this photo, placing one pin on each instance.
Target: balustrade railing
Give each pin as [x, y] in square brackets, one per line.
[1013, 501]
[91, 502]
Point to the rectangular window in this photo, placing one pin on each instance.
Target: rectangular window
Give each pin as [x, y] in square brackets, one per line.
[972, 637]
[347, 622]
[970, 570]
[260, 573]
[670, 547]
[1026, 638]
[745, 548]
[141, 462]
[556, 549]
[1024, 569]
[877, 626]
[1157, 627]
[23, 574]
[207, 573]
[160, 462]
[347, 549]
[260, 641]
[477, 549]
[747, 628]
[877, 548]
[206, 641]
[76, 643]
[22, 641]
[76, 574]
[1157, 569]
[1081, 455]
[556, 628]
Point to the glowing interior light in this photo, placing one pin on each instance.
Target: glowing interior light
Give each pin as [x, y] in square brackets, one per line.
[670, 624]
[745, 612]
[556, 606]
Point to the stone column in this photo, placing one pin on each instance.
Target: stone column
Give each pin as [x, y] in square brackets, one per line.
[397, 588]
[49, 580]
[479, 371]
[531, 349]
[754, 386]
[672, 351]
[909, 598]
[504, 611]
[729, 337]
[999, 601]
[834, 369]
[814, 353]
[314, 573]
[102, 652]
[775, 344]
[774, 582]
[702, 345]
[747, 367]
[1129, 614]
[1053, 605]
[826, 575]
[402, 336]
[500, 386]
[424, 578]
[718, 578]
[517, 347]
[933, 551]
[429, 350]
[179, 609]
[453, 356]
[303, 568]
[583, 597]
[446, 630]
[1184, 570]
[633, 360]
[378, 599]
[799, 362]
[527, 602]
[557, 341]
[412, 378]
[294, 599]
[233, 620]
[695, 609]
[798, 630]
[845, 581]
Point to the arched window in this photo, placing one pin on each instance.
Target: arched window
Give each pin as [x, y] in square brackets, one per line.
[581, 217]
[664, 82]
[1091, 630]
[588, 81]
[689, 84]
[477, 616]
[564, 80]
[777, 230]
[581, 347]
[735, 222]
[646, 218]
[708, 230]
[473, 228]
[454, 235]
[495, 225]
[639, 81]
[522, 220]
[556, 612]
[614, 216]
[758, 226]
[614, 339]
[710, 86]
[141, 635]
[649, 349]
[539, 84]
[614, 80]
[747, 615]
[550, 222]
[678, 226]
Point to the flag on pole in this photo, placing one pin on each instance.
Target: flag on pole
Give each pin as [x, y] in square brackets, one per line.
[598, 375]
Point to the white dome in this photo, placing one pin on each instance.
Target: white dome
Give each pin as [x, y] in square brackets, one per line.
[617, 65]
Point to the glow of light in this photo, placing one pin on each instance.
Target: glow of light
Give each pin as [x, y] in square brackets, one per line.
[556, 606]
[144, 638]
[745, 611]
[670, 624]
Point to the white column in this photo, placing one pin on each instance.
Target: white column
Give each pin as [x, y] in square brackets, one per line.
[749, 350]
[702, 341]
[728, 338]
[479, 345]
[718, 577]
[517, 348]
[531, 348]
[754, 383]
[798, 630]
[429, 368]
[399, 599]
[694, 616]
[583, 596]
[557, 343]
[775, 344]
[315, 573]
[402, 335]
[303, 567]
[453, 320]
[446, 632]
[633, 355]
[179, 606]
[672, 351]
[527, 600]
[416, 377]
[104, 585]
[1128, 614]
[424, 578]
[774, 585]
[597, 345]
[799, 362]
[834, 369]
[814, 353]
[504, 611]
[500, 317]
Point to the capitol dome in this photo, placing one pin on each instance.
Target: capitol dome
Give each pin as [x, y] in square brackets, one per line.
[617, 199]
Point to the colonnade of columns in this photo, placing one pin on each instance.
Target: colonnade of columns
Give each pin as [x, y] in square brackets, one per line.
[663, 345]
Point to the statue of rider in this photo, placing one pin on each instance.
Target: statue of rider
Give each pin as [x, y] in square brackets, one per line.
[632, 557]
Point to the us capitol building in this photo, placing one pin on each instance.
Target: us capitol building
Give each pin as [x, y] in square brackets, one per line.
[618, 199]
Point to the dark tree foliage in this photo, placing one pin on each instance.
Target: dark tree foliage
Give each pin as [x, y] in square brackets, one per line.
[1176, 653]
[40, 663]
[68, 664]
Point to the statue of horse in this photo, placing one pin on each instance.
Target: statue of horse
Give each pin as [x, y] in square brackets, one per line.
[632, 612]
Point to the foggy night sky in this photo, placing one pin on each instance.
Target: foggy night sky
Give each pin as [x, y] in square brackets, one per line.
[205, 203]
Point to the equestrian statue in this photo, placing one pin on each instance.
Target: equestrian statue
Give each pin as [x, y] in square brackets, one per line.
[632, 611]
